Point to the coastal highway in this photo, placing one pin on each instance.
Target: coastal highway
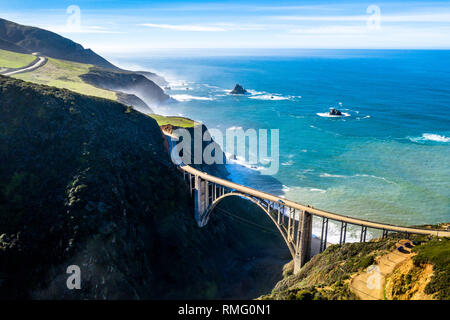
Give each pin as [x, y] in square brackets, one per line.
[39, 62]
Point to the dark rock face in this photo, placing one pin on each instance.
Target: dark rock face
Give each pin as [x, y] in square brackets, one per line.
[6, 45]
[159, 80]
[32, 39]
[238, 89]
[86, 181]
[134, 101]
[126, 82]
[335, 112]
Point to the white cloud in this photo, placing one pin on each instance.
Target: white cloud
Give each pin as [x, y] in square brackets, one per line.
[185, 27]
[436, 17]
[332, 30]
[82, 29]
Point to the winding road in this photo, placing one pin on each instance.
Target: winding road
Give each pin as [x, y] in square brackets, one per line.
[39, 62]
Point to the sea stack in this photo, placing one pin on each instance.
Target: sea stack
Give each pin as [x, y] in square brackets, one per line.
[335, 112]
[238, 89]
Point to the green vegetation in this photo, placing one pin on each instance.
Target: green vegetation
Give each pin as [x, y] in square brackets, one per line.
[65, 74]
[87, 181]
[9, 59]
[174, 121]
[326, 275]
[437, 253]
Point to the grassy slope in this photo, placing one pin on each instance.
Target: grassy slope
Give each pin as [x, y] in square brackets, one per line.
[437, 253]
[326, 276]
[174, 121]
[65, 74]
[10, 59]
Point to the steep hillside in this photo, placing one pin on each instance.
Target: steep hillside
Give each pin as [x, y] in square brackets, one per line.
[6, 45]
[32, 39]
[100, 78]
[420, 273]
[86, 181]
[66, 75]
[160, 81]
[127, 82]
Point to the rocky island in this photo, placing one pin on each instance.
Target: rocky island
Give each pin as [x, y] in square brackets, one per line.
[238, 89]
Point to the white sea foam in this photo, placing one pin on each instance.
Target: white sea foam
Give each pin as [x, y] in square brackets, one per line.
[328, 175]
[235, 128]
[288, 163]
[430, 137]
[317, 190]
[327, 115]
[268, 97]
[263, 95]
[254, 92]
[187, 97]
[239, 161]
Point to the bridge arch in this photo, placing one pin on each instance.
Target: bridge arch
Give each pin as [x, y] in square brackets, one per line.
[206, 215]
[295, 230]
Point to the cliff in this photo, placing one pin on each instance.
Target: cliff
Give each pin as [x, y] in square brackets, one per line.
[126, 82]
[86, 181]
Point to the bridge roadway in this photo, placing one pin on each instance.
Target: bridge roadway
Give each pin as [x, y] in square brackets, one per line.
[297, 233]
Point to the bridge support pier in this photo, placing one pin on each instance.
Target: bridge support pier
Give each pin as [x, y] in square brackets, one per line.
[303, 248]
[201, 199]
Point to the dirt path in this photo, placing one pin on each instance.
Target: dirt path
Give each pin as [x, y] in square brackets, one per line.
[369, 284]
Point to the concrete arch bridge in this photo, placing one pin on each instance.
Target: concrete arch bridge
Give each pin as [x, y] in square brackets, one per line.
[293, 220]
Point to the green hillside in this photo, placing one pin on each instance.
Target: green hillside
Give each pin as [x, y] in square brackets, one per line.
[20, 38]
[9, 59]
[86, 181]
[173, 120]
[65, 74]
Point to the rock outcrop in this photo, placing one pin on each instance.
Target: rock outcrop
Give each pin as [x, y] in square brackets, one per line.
[126, 82]
[238, 89]
[335, 112]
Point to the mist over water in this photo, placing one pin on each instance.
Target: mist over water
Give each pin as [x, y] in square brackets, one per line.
[387, 160]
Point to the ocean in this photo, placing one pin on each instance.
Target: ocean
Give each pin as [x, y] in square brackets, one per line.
[386, 160]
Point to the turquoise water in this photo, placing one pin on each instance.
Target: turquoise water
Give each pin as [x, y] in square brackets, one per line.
[387, 161]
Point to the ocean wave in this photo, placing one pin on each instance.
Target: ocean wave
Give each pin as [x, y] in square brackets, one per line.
[268, 97]
[317, 190]
[430, 137]
[240, 161]
[327, 115]
[263, 95]
[211, 86]
[254, 92]
[329, 175]
[288, 163]
[187, 97]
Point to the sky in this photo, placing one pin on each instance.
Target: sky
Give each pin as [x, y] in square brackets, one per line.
[133, 26]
